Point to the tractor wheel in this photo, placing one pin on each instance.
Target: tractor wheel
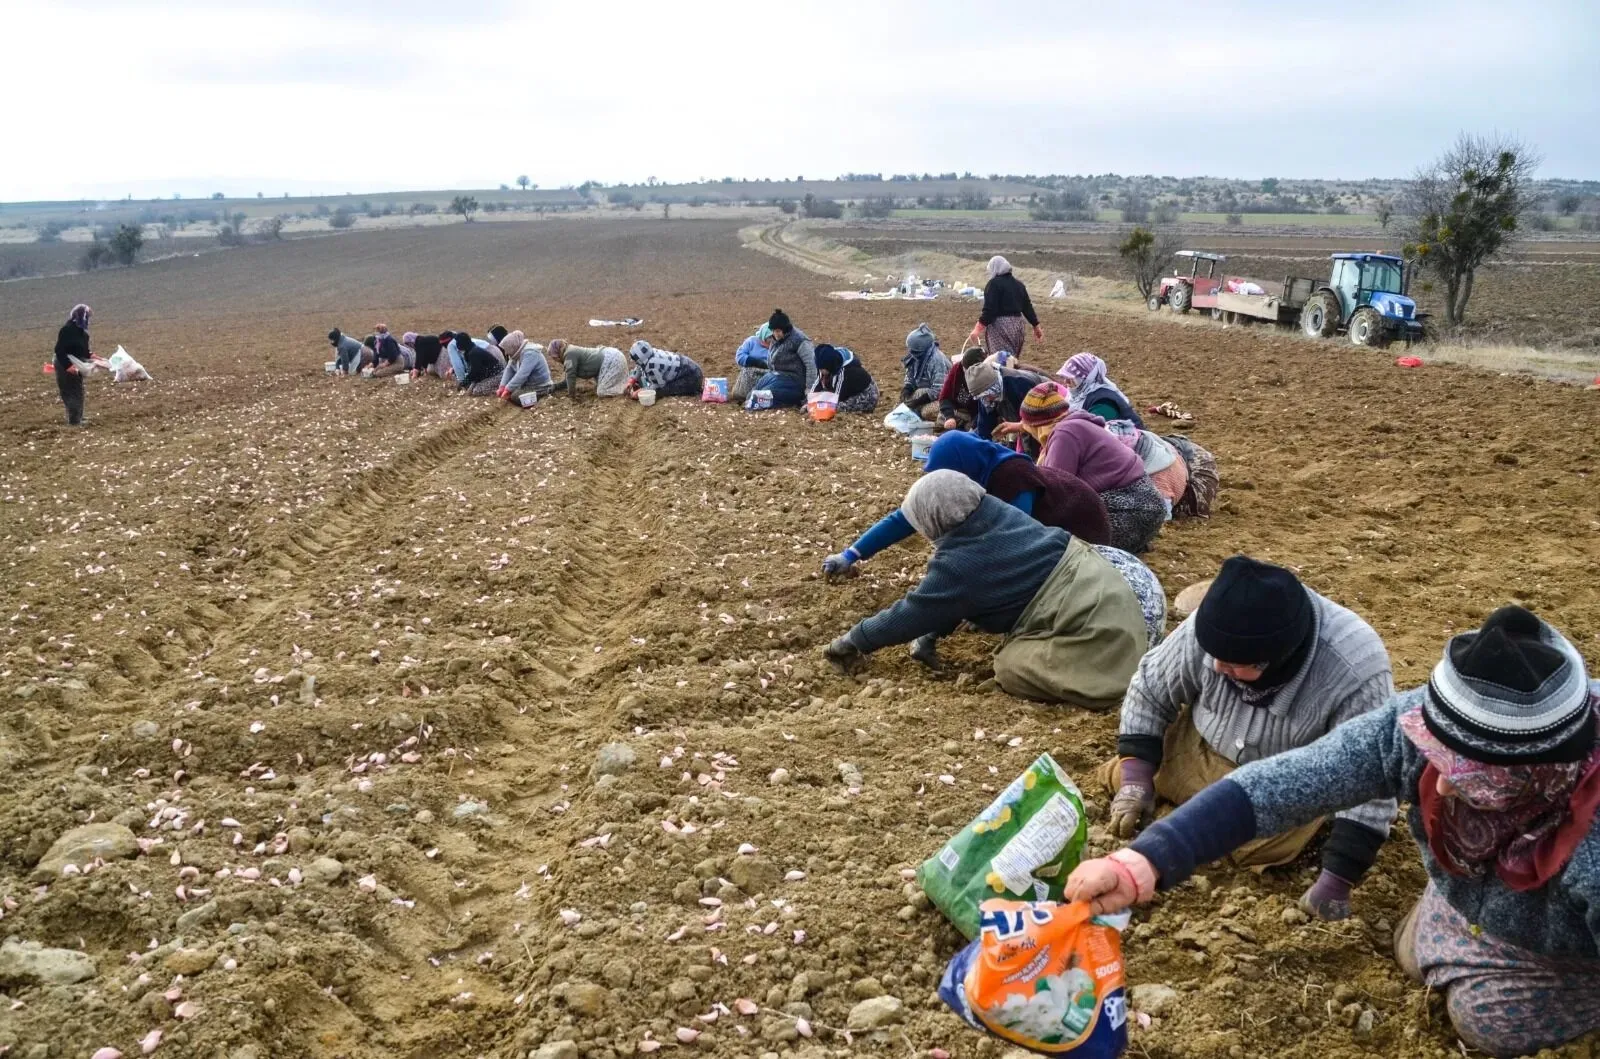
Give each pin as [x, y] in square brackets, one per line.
[1179, 297]
[1216, 314]
[1153, 303]
[1320, 317]
[1367, 329]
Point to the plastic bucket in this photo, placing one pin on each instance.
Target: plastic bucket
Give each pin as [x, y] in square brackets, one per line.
[402, 379]
[330, 366]
[647, 398]
[920, 444]
[528, 400]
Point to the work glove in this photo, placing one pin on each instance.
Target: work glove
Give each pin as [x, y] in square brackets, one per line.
[1135, 801]
[836, 565]
[843, 655]
[925, 649]
[1328, 898]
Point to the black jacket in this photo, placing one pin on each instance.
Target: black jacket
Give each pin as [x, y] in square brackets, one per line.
[853, 381]
[388, 350]
[428, 349]
[481, 365]
[1006, 296]
[73, 341]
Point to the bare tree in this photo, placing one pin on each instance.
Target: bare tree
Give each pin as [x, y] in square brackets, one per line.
[1144, 254]
[523, 182]
[1384, 211]
[1464, 210]
[466, 205]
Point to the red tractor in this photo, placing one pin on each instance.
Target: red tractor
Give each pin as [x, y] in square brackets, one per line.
[1192, 291]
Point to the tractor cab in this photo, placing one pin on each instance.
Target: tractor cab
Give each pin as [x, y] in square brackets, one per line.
[1367, 297]
[1186, 288]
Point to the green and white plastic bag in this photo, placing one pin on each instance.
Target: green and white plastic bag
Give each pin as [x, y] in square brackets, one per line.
[1022, 847]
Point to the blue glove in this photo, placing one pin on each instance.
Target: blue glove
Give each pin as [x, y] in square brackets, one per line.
[835, 565]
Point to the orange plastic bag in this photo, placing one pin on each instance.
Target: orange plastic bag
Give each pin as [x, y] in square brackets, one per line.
[1045, 976]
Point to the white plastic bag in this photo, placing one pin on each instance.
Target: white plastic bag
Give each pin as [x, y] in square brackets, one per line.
[904, 419]
[124, 368]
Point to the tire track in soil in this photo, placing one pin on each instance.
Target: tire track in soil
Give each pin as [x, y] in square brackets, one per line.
[296, 550]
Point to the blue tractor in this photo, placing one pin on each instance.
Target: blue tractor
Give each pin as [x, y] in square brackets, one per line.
[1366, 298]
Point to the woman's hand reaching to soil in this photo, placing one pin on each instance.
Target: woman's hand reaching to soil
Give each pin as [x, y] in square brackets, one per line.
[1114, 883]
[843, 655]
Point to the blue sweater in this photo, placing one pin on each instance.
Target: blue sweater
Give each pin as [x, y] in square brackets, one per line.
[895, 527]
[751, 354]
[986, 571]
[1363, 759]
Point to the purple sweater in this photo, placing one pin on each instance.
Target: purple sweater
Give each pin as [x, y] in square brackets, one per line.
[1081, 446]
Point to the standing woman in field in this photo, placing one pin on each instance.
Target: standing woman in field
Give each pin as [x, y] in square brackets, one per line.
[1007, 312]
[72, 360]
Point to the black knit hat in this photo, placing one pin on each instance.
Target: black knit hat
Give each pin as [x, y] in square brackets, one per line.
[1254, 613]
[335, 335]
[779, 321]
[828, 358]
[499, 333]
[1512, 693]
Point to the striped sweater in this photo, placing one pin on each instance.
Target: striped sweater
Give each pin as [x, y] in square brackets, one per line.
[1346, 675]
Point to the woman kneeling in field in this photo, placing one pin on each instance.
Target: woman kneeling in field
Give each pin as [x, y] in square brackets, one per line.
[526, 370]
[840, 371]
[1497, 757]
[668, 374]
[604, 364]
[1074, 631]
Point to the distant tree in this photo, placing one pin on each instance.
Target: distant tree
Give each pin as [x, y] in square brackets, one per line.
[126, 243]
[1135, 208]
[1568, 204]
[666, 211]
[1384, 211]
[465, 205]
[787, 206]
[1144, 254]
[876, 207]
[259, 195]
[971, 197]
[1269, 186]
[825, 209]
[343, 217]
[94, 255]
[1464, 210]
[522, 182]
[214, 194]
[50, 231]
[270, 229]
[1061, 206]
[238, 221]
[620, 197]
[1234, 219]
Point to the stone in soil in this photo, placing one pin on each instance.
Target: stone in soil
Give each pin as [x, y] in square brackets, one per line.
[327, 869]
[754, 875]
[1154, 999]
[29, 963]
[584, 998]
[876, 1013]
[82, 845]
[189, 961]
[556, 1050]
[613, 759]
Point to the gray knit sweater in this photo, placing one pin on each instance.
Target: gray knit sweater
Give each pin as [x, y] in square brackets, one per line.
[1364, 759]
[1346, 675]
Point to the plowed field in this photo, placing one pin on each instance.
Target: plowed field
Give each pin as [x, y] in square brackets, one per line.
[343, 656]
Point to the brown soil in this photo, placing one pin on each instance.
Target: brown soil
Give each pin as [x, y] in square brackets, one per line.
[485, 597]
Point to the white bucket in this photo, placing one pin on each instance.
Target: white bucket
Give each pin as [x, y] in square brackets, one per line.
[647, 398]
[528, 400]
[403, 379]
[330, 366]
[920, 444]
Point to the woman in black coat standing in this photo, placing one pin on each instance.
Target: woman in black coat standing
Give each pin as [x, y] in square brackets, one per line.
[1007, 312]
[72, 360]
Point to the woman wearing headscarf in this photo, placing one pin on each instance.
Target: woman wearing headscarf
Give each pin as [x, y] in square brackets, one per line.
[998, 393]
[926, 370]
[1072, 626]
[425, 351]
[791, 364]
[477, 365]
[668, 374]
[526, 370]
[1204, 482]
[73, 361]
[1093, 392]
[348, 352]
[1007, 312]
[1497, 757]
[1050, 496]
[389, 356]
[840, 371]
[1079, 444]
[751, 360]
[604, 364]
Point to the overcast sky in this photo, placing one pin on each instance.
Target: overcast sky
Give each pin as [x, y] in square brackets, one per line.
[105, 98]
